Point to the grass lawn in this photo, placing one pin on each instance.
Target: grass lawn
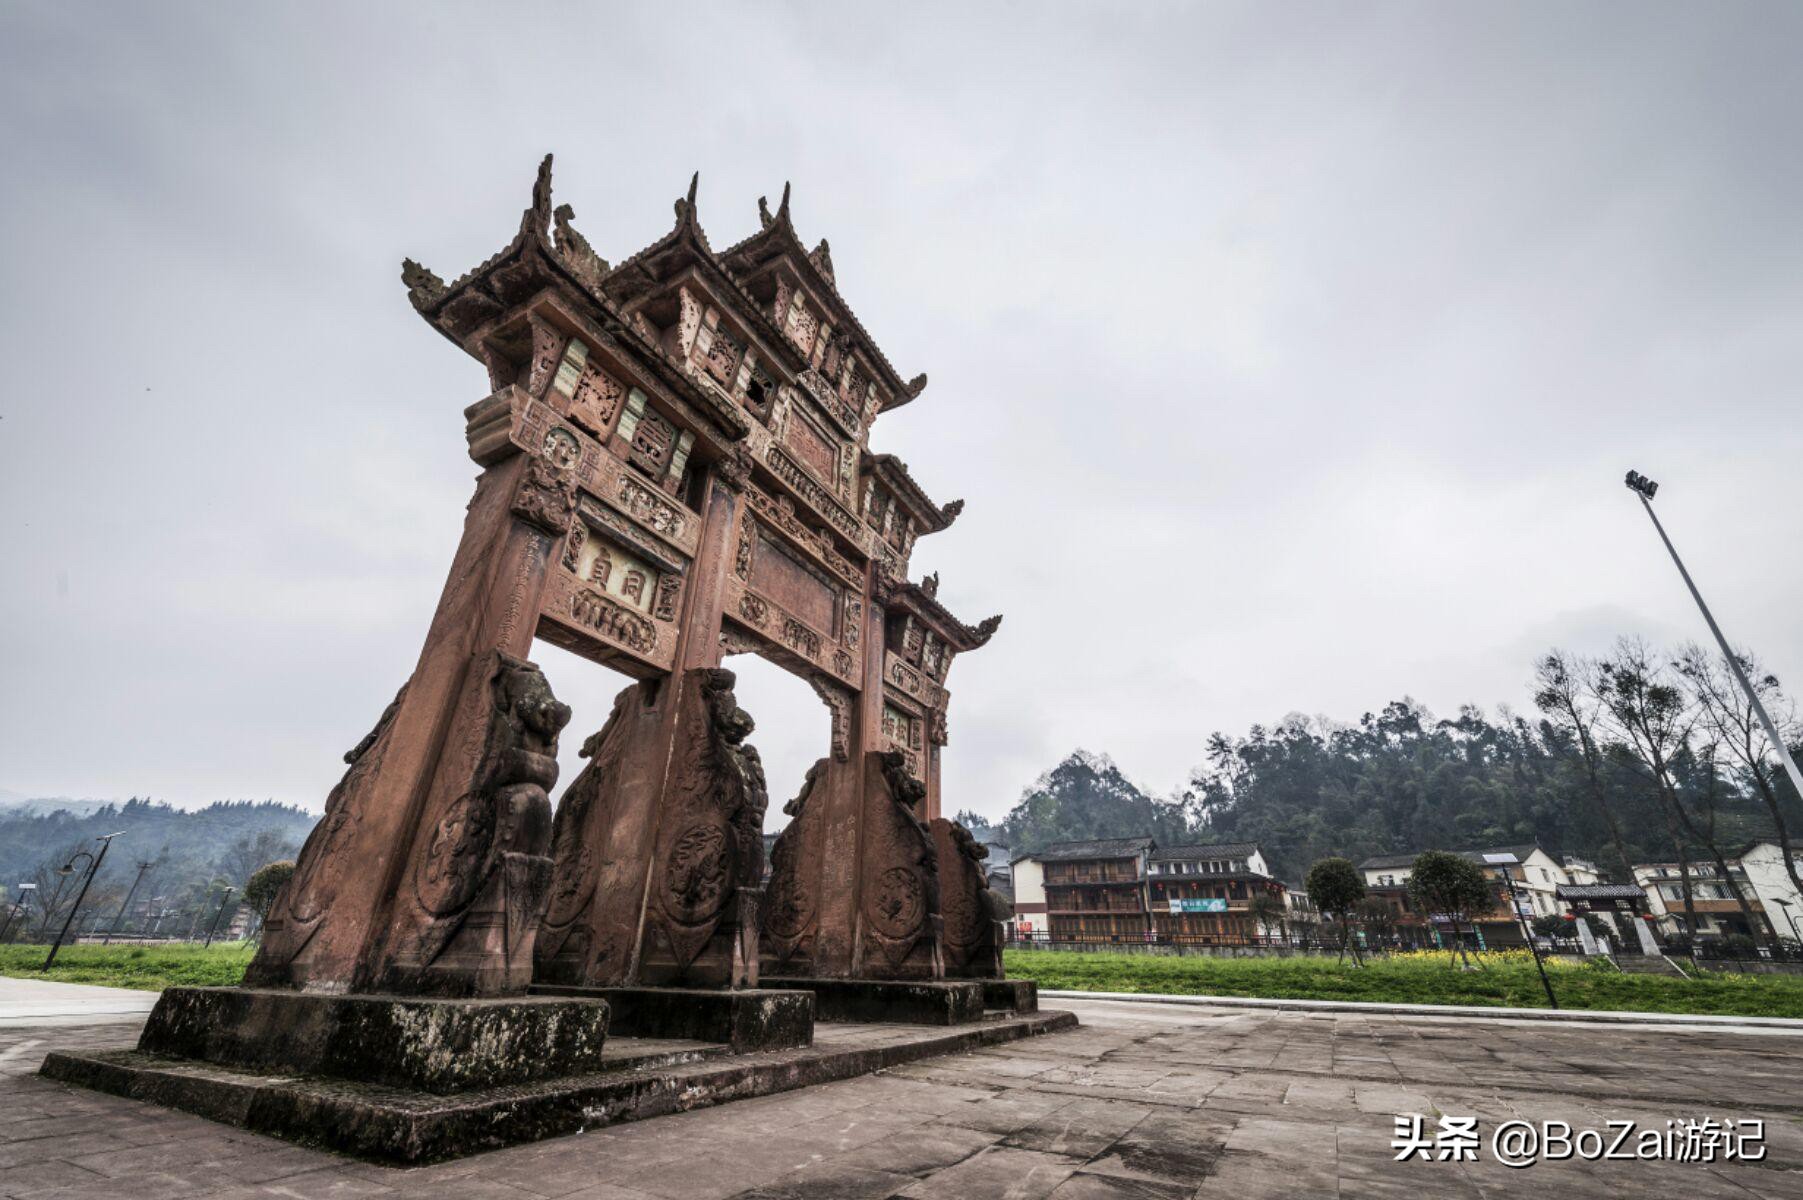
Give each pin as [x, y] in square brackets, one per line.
[1506, 979]
[149, 967]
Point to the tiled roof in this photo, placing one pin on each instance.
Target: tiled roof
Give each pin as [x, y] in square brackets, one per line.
[1383, 861]
[1599, 891]
[1198, 853]
[1101, 848]
[781, 227]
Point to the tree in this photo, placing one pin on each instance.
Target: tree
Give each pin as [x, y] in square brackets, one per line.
[1655, 718]
[1450, 886]
[262, 888]
[1335, 887]
[1564, 691]
[1087, 796]
[1268, 912]
[1733, 721]
[979, 826]
[1377, 919]
[251, 852]
[1555, 925]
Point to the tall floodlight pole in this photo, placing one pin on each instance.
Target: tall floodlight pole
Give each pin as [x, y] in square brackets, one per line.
[1645, 488]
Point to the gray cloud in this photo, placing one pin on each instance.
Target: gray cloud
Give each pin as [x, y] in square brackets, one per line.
[1288, 358]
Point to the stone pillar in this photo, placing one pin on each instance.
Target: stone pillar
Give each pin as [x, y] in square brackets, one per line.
[659, 841]
[1647, 944]
[426, 874]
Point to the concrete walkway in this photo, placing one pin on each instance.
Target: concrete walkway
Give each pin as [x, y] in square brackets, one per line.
[1146, 1101]
[31, 1002]
[1452, 1011]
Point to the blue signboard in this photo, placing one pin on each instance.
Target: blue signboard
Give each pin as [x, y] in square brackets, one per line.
[1194, 904]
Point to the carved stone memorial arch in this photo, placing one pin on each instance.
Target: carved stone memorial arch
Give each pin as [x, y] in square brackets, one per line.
[675, 467]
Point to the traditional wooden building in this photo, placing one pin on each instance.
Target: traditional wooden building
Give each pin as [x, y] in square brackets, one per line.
[1096, 890]
[1203, 893]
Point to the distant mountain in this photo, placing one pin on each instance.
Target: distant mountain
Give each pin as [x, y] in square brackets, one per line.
[190, 851]
[1088, 796]
[15, 804]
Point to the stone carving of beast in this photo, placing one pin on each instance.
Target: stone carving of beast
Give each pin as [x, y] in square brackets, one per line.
[484, 877]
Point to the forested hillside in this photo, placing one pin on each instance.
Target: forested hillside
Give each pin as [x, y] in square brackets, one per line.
[191, 851]
[1578, 777]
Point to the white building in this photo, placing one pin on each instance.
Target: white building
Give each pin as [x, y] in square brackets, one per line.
[1223, 858]
[1537, 878]
[1581, 872]
[1029, 898]
[1757, 871]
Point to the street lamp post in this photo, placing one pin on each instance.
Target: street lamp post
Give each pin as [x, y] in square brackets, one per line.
[143, 866]
[225, 900]
[20, 906]
[1790, 917]
[67, 869]
[1645, 488]
[1505, 861]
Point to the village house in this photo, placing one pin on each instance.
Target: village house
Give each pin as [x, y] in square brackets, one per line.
[1133, 890]
[1757, 871]
[1537, 877]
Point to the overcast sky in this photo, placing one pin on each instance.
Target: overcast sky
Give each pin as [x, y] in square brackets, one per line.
[1289, 357]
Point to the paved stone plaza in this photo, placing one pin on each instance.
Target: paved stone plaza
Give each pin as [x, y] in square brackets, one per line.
[1144, 1101]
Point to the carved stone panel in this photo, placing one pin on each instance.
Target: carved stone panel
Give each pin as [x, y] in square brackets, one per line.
[602, 840]
[710, 845]
[477, 881]
[793, 898]
[811, 444]
[537, 429]
[577, 615]
[898, 866]
[800, 590]
[319, 868]
[971, 912]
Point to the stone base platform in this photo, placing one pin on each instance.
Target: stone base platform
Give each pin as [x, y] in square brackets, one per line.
[914, 1002]
[641, 1078]
[433, 1045]
[744, 1020]
[1019, 996]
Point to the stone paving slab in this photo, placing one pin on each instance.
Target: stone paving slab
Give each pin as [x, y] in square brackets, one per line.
[1482, 1012]
[376, 1119]
[1142, 1102]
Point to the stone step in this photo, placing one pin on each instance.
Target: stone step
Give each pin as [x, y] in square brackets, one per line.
[646, 1054]
[1637, 964]
[403, 1126]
